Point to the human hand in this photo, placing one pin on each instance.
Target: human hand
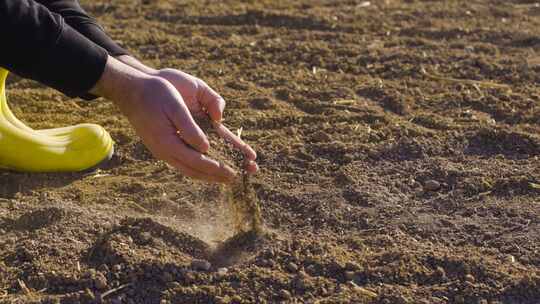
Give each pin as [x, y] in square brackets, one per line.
[202, 100]
[165, 125]
[157, 112]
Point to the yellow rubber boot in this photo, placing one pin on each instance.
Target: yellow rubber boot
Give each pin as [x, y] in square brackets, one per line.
[74, 148]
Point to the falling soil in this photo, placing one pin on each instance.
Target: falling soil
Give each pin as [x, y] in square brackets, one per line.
[399, 147]
[239, 196]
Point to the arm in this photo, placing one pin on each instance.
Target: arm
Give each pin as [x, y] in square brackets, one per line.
[38, 44]
[77, 18]
[197, 95]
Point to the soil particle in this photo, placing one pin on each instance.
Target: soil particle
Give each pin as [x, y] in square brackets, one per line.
[201, 265]
[285, 294]
[432, 185]
[470, 278]
[262, 103]
[292, 267]
[222, 270]
[240, 197]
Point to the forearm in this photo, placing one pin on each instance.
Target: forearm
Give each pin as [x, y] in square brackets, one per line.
[38, 44]
[119, 83]
[76, 17]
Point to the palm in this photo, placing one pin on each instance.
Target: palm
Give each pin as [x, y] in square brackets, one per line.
[198, 97]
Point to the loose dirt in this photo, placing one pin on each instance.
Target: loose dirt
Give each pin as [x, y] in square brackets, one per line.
[399, 150]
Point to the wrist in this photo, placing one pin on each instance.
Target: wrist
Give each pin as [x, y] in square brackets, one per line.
[119, 83]
[136, 64]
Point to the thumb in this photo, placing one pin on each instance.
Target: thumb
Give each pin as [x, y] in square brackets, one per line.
[186, 127]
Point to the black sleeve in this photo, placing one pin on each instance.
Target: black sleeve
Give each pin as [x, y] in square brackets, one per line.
[38, 44]
[77, 18]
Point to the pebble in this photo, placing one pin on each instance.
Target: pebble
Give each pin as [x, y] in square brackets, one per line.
[312, 270]
[470, 278]
[432, 185]
[222, 270]
[510, 259]
[285, 294]
[322, 136]
[100, 281]
[263, 103]
[117, 268]
[292, 267]
[201, 265]
[145, 238]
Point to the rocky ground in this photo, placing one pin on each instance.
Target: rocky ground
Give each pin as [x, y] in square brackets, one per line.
[399, 146]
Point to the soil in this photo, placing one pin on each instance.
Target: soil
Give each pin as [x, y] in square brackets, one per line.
[399, 146]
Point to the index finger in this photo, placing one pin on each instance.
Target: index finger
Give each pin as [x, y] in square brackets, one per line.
[236, 141]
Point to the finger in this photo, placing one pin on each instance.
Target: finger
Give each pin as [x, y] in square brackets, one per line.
[189, 172]
[189, 130]
[200, 162]
[236, 141]
[212, 102]
[251, 167]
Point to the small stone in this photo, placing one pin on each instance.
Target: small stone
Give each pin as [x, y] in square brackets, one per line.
[292, 267]
[145, 238]
[285, 294]
[100, 281]
[510, 259]
[432, 185]
[201, 265]
[470, 278]
[263, 103]
[312, 270]
[302, 275]
[222, 270]
[117, 268]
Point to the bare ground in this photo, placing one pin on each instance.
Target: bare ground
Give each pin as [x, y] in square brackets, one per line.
[399, 145]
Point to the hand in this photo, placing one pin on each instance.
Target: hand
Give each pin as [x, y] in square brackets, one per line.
[157, 111]
[202, 100]
[157, 115]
